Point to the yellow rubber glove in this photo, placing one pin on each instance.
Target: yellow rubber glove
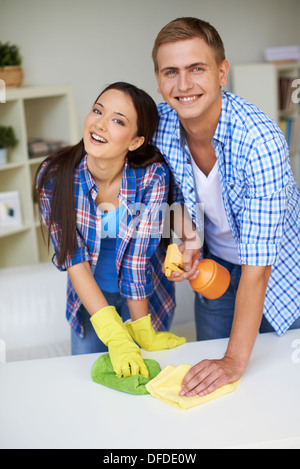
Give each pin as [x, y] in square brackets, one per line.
[125, 355]
[143, 333]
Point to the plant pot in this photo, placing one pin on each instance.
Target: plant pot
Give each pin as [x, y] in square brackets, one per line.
[12, 76]
[3, 156]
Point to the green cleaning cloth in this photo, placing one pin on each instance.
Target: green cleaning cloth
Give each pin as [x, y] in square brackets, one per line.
[103, 373]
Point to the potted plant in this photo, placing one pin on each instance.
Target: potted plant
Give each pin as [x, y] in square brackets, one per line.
[7, 140]
[11, 71]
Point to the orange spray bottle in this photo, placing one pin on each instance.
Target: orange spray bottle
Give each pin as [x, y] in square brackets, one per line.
[213, 279]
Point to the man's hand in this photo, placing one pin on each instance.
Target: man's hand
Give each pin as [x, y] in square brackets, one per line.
[209, 375]
[190, 248]
[191, 259]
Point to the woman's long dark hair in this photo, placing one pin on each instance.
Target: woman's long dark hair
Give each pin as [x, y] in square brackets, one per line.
[61, 165]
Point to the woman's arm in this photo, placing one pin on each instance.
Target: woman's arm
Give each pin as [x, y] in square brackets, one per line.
[86, 287]
[138, 308]
[125, 355]
[92, 297]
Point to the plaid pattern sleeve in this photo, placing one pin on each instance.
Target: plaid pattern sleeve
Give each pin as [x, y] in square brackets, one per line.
[264, 204]
[81, 254]
[140, 231]
[139, 256]
[260, 194]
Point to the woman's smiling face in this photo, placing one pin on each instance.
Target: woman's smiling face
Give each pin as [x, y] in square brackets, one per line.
[110, 128]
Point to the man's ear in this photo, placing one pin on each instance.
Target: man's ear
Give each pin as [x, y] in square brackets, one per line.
[136, 143]
[223, 72]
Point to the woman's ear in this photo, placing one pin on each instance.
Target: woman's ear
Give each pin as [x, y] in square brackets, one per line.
[136, 143]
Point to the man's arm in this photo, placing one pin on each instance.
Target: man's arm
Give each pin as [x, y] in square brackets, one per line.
[208, 375]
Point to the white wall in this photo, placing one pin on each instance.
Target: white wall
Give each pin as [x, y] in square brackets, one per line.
[94, 42]
[91, 43]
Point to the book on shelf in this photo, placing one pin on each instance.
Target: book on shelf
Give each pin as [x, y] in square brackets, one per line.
[290, 129]
[38, 147]
[286, 93]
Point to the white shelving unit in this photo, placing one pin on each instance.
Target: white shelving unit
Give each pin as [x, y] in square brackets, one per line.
[262, 84]
[46, 112]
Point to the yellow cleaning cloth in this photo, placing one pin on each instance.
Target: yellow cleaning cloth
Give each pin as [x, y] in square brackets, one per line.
[167, 386]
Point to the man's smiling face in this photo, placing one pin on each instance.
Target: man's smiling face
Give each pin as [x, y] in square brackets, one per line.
[189, 78]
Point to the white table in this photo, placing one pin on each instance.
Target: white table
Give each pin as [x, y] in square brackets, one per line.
[53, 403]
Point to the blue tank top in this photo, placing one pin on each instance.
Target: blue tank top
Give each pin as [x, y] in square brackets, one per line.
[106, 271]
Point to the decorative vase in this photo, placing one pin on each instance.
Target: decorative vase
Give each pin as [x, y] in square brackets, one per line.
[3, 156]
[12, 76]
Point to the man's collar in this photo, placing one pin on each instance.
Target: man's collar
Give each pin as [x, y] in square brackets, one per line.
[221, 130]
[178, 129]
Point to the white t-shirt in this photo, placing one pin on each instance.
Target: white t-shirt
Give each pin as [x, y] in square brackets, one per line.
[217, 233]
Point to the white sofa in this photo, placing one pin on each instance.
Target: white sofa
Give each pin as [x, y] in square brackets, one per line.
[32, 312]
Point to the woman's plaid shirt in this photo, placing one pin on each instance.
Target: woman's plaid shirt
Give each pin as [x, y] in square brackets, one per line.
[139, 254]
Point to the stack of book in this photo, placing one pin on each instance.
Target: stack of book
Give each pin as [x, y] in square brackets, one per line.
[288, 101]
[288, 96]
[290, 129]
[38, 147]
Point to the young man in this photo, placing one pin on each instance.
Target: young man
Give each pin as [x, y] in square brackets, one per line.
[225, 153]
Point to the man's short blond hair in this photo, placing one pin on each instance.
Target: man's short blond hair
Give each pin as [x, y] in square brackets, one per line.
[189, 28]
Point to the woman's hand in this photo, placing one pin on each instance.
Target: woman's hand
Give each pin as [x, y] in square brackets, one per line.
[125, 355]
[144, 334]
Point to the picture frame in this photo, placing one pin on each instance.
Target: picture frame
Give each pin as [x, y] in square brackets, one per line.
[10, 209]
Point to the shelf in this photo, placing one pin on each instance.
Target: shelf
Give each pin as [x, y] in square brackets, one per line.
[30, 92]
[9, 166]
[9, 231]
[44, 112]
[269, 87]
[36, 161]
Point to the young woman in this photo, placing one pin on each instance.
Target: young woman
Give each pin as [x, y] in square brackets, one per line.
[102, 202]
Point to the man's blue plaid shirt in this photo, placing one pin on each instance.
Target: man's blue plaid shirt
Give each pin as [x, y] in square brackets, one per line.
[261, 197]
[139, 256]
